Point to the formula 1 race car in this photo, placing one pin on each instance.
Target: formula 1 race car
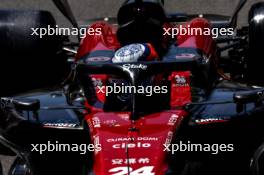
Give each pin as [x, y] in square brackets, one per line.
[141, 99]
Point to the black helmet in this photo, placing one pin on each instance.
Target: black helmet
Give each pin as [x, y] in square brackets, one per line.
[141, 21]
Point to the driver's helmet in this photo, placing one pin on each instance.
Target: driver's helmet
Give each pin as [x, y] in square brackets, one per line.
[141, 21]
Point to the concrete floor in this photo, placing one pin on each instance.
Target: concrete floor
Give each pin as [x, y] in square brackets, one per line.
[85, 9]
[6, 163]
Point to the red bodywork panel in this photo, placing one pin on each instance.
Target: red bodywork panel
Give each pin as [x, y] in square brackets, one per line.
[106, 41]
[139, 152]
[180, 89]
[142, 150]
[201, 42]
[109, 41]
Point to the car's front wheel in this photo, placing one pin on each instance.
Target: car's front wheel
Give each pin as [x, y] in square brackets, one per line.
[255, 58]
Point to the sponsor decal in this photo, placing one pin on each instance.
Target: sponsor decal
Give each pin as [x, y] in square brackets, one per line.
[146, 170]
[97, 144]
[111, 123]
[169, 138]
[131, 161]
[124, 116]
[128, 139]
[185, 55]
[131, 145]
[210, 120]
[173, 120]
[97, 59]
[96, 122]
[134, 66]
[60, 125]
[181, 81]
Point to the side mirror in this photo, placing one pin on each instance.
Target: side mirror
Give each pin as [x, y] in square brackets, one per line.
[27, 104]
[243, 98]
[248, 97]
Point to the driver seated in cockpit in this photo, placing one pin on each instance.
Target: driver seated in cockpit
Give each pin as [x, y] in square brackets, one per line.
[140, 37]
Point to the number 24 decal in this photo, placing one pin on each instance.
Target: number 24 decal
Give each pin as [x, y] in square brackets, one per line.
[146, 170]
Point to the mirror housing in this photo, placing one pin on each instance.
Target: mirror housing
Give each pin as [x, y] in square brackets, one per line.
[243, 98]
[247, 97]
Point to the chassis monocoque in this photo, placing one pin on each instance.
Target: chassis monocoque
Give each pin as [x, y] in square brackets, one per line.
[225, 107]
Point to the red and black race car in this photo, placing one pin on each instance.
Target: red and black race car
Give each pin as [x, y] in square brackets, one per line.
[141, 98]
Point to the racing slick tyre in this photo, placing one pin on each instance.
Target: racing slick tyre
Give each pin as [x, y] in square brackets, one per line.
[29, 61]
[255, 60]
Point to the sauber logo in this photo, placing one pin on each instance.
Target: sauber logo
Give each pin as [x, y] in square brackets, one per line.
[146, 170]
[181, 80]
[131, 145]
[96, 122]
[173, 119]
